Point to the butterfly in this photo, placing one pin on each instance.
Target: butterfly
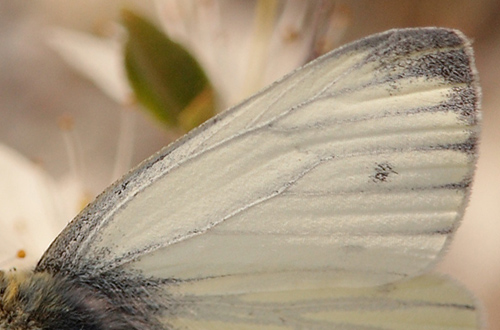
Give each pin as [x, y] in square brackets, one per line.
[321, 202]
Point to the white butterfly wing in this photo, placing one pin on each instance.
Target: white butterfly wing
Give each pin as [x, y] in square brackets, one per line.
[350, 172]
[427, 302]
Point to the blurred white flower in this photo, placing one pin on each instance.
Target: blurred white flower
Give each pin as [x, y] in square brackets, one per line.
[98, 59]
[242, 45]
[33, 209]
[246, 45]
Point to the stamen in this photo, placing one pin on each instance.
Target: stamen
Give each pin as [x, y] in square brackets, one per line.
[21, 254]
[75, 156]
[290, 34]
[73, 147]
[125, 145]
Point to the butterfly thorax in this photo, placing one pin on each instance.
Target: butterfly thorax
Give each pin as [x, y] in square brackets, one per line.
[37, 301]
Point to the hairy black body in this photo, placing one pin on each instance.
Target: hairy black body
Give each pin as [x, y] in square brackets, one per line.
[39, 301]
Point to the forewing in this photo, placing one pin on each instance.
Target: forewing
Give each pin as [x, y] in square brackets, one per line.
[351, 171]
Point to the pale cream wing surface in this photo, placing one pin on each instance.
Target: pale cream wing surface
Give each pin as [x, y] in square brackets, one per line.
[359, 162]
[350, 172]
[427, 302]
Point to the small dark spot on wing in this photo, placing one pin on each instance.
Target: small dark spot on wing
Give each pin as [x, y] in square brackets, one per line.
[382, 172]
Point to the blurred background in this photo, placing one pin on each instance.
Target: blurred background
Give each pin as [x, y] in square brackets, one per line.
[38, 88]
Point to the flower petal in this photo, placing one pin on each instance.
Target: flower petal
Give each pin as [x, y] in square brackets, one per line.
[99, 59]
[31, 210]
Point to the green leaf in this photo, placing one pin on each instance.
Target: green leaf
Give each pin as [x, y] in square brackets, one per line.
[166, 79]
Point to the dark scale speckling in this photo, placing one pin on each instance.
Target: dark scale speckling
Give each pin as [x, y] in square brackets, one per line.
[404, 44]
[466, 101]
[422, 55]
[438, 65]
